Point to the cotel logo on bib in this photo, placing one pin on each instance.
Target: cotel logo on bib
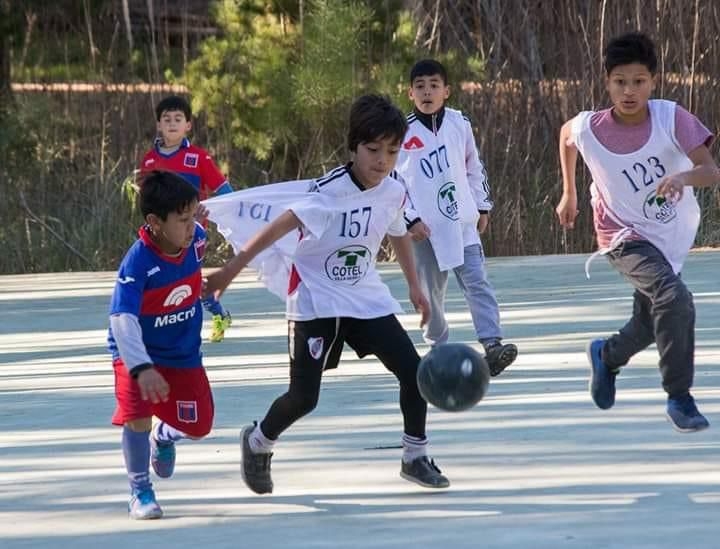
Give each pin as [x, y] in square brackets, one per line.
[446, 201]
[658, 208]
[348, 265]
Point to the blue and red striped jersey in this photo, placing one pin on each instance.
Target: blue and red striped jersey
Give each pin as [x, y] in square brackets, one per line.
[164, 293]
[192, 163]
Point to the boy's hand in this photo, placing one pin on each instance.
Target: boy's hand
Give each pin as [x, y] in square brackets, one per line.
[419, 231]
[201, 214]
[671, 187]
[567, 211]
[215, 284]
[153, 386]
[483, 222]
[421, 304]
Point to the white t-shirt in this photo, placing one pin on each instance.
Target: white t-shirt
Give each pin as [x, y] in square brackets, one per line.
[446, 182]
[627, 184]
[334, 272]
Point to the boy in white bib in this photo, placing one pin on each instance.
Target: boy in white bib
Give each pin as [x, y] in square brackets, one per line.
[645, 156]
[450, 204]
[335, 294]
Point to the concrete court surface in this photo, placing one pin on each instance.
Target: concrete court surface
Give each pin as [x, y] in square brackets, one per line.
[534, 465]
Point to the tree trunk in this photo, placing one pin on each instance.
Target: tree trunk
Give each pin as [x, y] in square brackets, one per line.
[5, 85]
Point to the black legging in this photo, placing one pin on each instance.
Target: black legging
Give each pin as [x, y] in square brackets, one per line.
[383, 337]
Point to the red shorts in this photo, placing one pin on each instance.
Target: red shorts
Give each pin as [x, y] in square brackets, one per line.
[189, 408]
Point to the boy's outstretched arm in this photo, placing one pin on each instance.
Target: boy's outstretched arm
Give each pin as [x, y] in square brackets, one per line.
[216, 283]
[567, 208]
[704, 173]
[406, 260]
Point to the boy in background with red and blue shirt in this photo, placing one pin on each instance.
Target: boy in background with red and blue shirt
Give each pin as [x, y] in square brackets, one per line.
[173, 152]
[154, 338]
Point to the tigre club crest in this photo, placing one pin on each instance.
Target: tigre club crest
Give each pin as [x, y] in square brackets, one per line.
[348, 265]
[447, 201]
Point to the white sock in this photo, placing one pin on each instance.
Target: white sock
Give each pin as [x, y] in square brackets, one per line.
[413, 448]
[259, 443]
[164, 433]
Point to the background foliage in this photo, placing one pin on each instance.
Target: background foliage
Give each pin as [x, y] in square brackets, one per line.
[271, 82]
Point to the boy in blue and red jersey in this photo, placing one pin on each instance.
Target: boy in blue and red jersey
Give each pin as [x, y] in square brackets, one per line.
[154, 338]
[173, 152]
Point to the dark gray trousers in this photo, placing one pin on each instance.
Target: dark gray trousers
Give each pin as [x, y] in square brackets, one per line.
[663, 313]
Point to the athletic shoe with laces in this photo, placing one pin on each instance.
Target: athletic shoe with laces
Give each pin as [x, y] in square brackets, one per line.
[499, 356]
[602, 378]
[142, 506]
[220, 323]
[162, 457]
[255, 468]
[423, 471]
[684, 415]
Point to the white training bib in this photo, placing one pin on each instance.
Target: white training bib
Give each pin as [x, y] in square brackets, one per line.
[627, 184]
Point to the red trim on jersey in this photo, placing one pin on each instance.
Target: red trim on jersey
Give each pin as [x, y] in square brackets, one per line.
[294, 280]
[146, 236]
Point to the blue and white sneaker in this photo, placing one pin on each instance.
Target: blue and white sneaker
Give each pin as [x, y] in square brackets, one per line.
[684, 415]
[143, 506]
[162, 457]
[602, 378]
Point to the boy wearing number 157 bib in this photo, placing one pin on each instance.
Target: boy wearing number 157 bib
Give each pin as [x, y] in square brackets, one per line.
[335, 294]
[645, 156]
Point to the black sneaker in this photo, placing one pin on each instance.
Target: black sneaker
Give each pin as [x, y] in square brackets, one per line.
[255, 467]
[423, 471]
[499, 356]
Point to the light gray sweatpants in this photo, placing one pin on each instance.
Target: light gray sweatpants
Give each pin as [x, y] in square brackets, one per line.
[474, 284]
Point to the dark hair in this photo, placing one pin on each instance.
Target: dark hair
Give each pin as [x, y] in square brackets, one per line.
[633, 47]
[162, 193]
[173, 103]
[428, 67]
[374, 117]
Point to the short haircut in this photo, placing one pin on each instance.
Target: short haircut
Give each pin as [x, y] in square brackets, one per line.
[162, 193]
[173, 103]
[374, 117]
[633, 47]
[428, 67]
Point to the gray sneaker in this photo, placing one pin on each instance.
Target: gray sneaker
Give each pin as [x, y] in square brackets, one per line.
[424, 472]
[255, 468]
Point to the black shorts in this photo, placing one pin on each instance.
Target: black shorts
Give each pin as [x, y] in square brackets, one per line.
[322, 339]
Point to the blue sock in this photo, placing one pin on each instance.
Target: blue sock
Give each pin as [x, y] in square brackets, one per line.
[136, 449]
[213, 306]
[164, 433]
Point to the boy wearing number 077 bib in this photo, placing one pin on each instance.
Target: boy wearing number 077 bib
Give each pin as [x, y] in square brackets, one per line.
[645, 156]
[335, 294]
[450, 203]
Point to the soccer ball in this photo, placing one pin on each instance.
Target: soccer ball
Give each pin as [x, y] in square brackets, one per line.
[453, 377]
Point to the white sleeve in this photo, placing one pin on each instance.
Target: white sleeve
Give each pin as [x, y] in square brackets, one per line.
[410, 215]
[128, 337]
[399, 227]
[476, 173]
